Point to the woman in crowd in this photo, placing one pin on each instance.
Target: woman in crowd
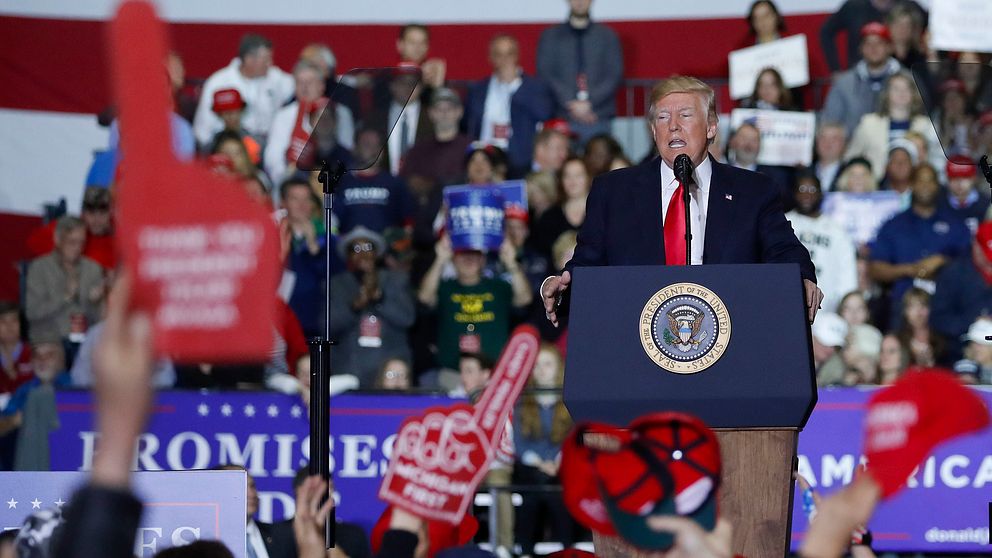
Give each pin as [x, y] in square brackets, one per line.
[905, 25]
[770, 92]
[926, 347]
[954, 117]
[600, 152]
[542, 193]
[856, 177]
[765, 23]
[485, 164]
[974, 71]
[854, 309]
[394, 375]
[899, 168]
[893, 359]
[541, 422]
[230, 144]
[570, 212]
[900, 110]
[860, 355]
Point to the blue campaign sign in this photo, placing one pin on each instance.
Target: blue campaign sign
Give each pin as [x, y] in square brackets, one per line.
[180, 507]
[476, 212]
[265, 432]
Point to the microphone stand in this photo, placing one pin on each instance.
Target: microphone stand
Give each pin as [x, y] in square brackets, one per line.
[688, 224]
[320, 355]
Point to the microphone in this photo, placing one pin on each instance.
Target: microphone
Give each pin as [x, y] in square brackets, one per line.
[683, 169]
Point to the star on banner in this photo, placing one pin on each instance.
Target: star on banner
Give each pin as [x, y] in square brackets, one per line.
[59, 502]
[296, 411]
[249, 410]
[203, 409]
[12, 504]
[36, 504]
[273, 411]
[225, 410]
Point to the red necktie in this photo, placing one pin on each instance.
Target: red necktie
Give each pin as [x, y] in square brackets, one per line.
[675, 229]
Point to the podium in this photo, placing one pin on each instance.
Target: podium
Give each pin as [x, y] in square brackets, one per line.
[729, 344]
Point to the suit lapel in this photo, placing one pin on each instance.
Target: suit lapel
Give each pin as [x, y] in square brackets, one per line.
[719, 213]
[646, 201]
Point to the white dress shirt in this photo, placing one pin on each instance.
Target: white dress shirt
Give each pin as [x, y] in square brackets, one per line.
[497, 111]
[254, 538]
[397, 114]
[699, 196]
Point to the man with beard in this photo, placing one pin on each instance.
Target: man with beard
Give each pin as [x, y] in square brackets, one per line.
[830, 247]
[964, 291]
[745, 145]
[582, 62]
[912, 247]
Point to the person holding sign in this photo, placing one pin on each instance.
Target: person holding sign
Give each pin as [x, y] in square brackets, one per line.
[635, 216]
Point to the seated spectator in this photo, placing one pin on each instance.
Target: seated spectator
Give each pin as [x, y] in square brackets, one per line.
[893, 360]
[229, 145]
[770, 92]
[900, 110]
[899, 167]
[765, 23]
[97, 215]
[829, 335]
[854, 309]
[542, 193]
[742, 152]
[911, 247]
[860, 355]
[65, 289]
[484, 165]
[963, 198]
[263, 86]
[856, 92]
[229, 107]
[394, 375]
[293, 123]
[599, 154]
[905, 23]
[551, 146]
[976, 366]
[371, 309]
[569, 213]
[964, 291]
[306, 258]
[473, 311]
[953, 118]
[505, 108]
[856, 177]
[372, 198]
[541, 423]
[15, 354]
[927, 348]
[830, 247]
[831, 141]
[31, 409]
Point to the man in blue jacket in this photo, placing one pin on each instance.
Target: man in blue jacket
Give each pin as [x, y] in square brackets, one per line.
[635, 216]
[505, 108]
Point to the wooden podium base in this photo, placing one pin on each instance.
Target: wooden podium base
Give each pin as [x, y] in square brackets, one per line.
[755, 494]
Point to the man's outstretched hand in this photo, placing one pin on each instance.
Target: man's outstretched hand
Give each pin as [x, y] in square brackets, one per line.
[551, 289]
[691, 541]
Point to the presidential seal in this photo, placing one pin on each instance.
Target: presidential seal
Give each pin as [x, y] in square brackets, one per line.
[685, 328]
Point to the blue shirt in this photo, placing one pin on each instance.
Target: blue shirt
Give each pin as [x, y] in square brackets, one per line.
[376, 202]
[908, 238]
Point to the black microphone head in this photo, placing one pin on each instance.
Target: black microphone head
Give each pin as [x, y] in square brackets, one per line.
[683, 169]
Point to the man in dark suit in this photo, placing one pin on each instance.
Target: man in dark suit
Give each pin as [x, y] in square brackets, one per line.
[635, 216]
[505, 108]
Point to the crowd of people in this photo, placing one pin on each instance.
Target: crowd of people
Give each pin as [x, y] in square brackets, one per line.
[410, 311]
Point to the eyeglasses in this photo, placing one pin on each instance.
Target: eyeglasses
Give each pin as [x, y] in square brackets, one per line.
[98, 207]
[360, 247]
[807, 189]
[394, 374]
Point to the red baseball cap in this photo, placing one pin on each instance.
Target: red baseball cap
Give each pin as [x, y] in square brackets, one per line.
[559, 125]
[908, 420]
[961, 166]
[516, 212]
[876, 28]
[983, 236]
[227, 99]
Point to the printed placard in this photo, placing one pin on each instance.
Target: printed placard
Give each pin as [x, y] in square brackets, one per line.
[475, 213]
[862, 215]
[786, 136]
[440, 457]
[789, 56]
[203, 256]
[961, 25]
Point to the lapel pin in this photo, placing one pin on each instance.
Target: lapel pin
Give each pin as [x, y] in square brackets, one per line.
[729, 196]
